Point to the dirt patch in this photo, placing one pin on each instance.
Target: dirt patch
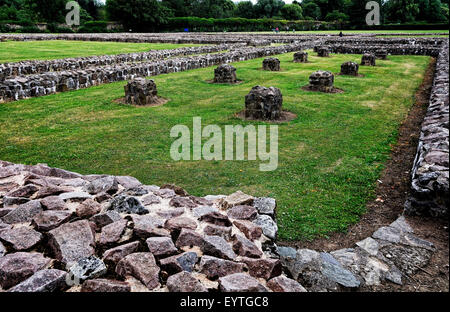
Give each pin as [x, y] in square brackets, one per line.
[159, 102]
[285, 117]
[391, 193]
[333, 90]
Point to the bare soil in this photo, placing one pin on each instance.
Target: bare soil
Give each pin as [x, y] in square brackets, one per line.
[285, 117]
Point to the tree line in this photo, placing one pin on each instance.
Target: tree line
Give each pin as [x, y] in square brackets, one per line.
[138, 14]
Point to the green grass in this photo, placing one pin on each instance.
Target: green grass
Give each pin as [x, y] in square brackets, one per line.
[329, 157]
[14, 51]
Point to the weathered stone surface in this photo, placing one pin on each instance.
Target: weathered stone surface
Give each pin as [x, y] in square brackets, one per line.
[244, 247]
[249, 229]
[334, 271]
[23, 213]
[179, 263]
[86, 268]
[72, 242]
[381, 54]
[11, 201]
[368, 59]
[349, 68]
[105, 286]
[106, 218]
[16, 267]
[189, 238]
[112, 233]
[107, 185]
[49, 219]
[269, 227]
[150, 200]
[218, 247]
[323, 52]
[369, 245]
[142, 266]
[141, 91]
[53, 203]
[283, 284]
[128, 182]
[272, 64]
[203, 210]
[237, 198]
[178, 223]
[407, 258]
[216, 218]
[184, 282]
[225, 73]
[23, 191]
[88, 208]
[321, 81]
[170, 213]
[2, 250]
[263, 103]
[161, 246]
[222, 231]
[75, 196]
[21, 238]
[214, 267]
[47, 280]
[147, 226]
[263, 268]
[178, 190]
[50, 190]
[165, 193]
[242, 212]
[179, 201]
[301, 57]
[114, 255]
[265, 205]
[128, 204]
[240, 282]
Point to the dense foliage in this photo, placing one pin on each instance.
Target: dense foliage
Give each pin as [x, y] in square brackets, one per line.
[153, 15]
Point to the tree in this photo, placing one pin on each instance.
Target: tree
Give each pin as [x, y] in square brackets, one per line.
[292, 12]
[268, 8]
[336, 16]
[138, 15]
[311, 10]
[401, 11]
[245, 9]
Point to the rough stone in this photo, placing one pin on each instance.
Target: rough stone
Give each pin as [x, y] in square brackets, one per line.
[128, 204]
[53, 203]
[265, 205]
[237, 198]
[263, 103]
[203, 210]
[141, 91]
[218, 247]
[17, 267]
[271, 64]
[249, 229]
[323, 52]
[86, 268]
[47, 280]
[105, 286]
[225, 73]
[223, 231]
[263, 268]
[21, 238]
[216, 218]
[368, 59]
[322, 81]
[178, 263]
[114, 255]
[214, 267]
[179, 201]
[161, 246]
[178, 223]
[150, 200]
[23, 213]
[142, 266]
[72, 242]
[88, 208]
[106, 218]
[184, 282]
[49, 219]
[269, 227]
[283, 284]
[242, 212]
[147, 226]
[240, 282]
[244, 247]
[189, 238]
[107, 185]
[112, 233]
[349, 68]
[301, 57]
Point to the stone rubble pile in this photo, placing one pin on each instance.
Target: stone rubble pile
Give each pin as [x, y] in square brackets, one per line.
[430, 172]
[141, 91]
[62, 231]
[271, 64]
[263, 103]
[225, 73]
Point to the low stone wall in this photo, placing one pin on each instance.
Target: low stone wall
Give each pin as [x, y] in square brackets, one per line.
[430, 173]
[42, 66]
[51, 82]
[405, 49]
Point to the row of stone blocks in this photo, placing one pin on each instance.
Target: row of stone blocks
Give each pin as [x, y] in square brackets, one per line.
[51, 82]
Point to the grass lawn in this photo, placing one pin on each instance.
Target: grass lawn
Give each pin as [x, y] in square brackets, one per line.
[329, 157]
[14, 51]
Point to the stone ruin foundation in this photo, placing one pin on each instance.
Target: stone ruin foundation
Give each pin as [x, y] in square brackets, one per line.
[141, 91]
[381, 54]
[225, 73]
[258, 43]
[349, 68]
[322, 81]
[323, 52]
[368, 59]
[272, 64]
[301, 57]
[263, 103]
